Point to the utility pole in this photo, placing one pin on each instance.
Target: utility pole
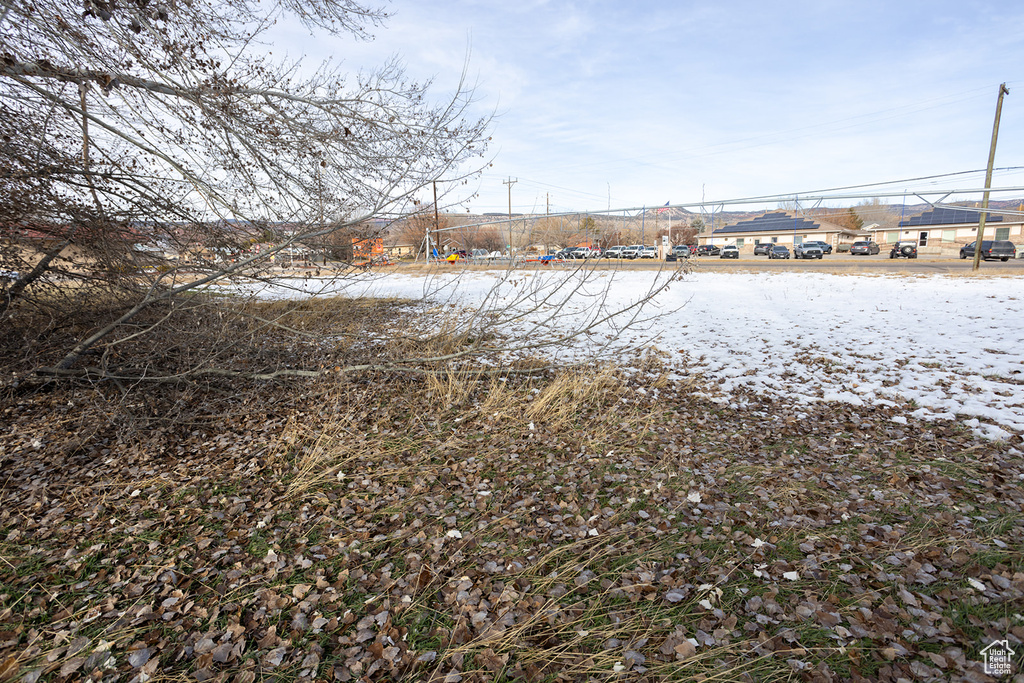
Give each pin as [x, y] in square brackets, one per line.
[988, 177]
[437, 225]
[547, 227]
[510, 183]
[320, 190]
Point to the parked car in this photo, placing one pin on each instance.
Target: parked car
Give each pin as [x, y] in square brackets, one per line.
[991, 250]
[807, 250]
[762, 248]
[864, 247]
[678, 252]
[613, 252]
[778, 251]
[826, 248]
[903, 250]
[729, 251]
[632, 251]
[649, 252]
[707, 250]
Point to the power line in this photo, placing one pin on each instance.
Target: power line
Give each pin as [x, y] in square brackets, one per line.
[904, 185]
[805, 197]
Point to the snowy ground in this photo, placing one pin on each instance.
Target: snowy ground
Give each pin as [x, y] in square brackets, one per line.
[953, 347]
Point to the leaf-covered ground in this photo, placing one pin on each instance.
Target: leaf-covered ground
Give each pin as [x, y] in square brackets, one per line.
[596, 525]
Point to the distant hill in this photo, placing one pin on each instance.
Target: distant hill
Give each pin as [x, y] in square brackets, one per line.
[891, 212]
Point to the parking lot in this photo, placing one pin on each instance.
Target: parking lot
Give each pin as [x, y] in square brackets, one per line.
[848, 263]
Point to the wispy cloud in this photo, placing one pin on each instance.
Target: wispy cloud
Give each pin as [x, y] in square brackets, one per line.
[657, 99]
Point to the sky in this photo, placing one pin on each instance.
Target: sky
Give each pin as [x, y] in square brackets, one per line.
[605, 104]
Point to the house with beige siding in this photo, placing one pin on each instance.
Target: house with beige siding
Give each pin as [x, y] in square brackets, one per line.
[943, 230]
[781, 227]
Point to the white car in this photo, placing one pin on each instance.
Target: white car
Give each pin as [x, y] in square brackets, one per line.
[613, 252]
[729, 251]
[632, 251]
[649, 252]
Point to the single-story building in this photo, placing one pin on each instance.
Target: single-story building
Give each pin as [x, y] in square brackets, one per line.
[945, 229]
[402, 250]
[782, 227]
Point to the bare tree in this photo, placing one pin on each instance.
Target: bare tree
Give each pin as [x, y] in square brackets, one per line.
[877, 211]
[489, 237]
[135, 129]
[679, 235]
[846, 218]
[412, 230]
[548, 232]
[469, 237]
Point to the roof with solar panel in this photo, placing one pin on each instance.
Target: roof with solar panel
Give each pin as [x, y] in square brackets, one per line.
[948, 215]
[774, 221]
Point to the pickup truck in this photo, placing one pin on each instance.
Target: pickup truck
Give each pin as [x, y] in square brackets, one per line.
[807, 250]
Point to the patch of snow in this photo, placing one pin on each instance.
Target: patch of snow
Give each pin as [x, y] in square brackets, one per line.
[947, 347]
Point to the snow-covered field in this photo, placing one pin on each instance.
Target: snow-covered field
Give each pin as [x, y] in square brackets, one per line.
[951, 347]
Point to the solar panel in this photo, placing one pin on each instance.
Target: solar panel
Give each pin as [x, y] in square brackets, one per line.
[774, 221]
[947, 216]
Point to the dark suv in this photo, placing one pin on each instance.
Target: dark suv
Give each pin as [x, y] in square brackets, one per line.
[991, 249]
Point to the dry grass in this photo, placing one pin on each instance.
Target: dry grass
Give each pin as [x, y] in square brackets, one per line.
[574, 393]
[338, 315]
[569, 399]
[452, 386]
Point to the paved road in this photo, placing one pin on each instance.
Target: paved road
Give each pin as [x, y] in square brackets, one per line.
[834, 263]
[877, 263]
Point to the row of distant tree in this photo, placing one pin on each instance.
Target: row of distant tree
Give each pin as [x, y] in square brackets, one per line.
[533, 232]
[458, 231]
